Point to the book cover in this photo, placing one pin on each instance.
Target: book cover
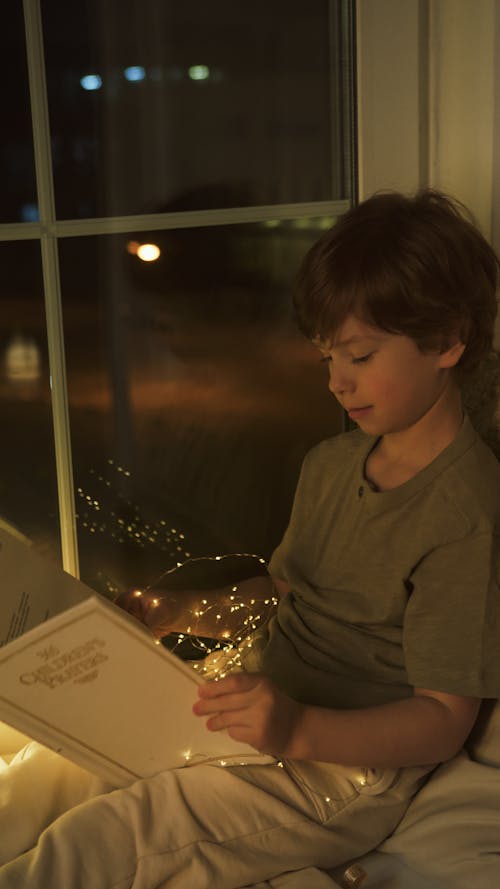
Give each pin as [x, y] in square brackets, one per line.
[87, 680]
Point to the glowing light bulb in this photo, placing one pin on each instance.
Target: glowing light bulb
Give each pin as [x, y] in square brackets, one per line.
[22, 359]
[134, 73]
[148, 252]
[29, 212]
[199, 72]
[325, 222]
[91, 82]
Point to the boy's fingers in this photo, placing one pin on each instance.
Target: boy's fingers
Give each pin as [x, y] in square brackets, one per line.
[230, 703]
[224, 721]
[132, 602]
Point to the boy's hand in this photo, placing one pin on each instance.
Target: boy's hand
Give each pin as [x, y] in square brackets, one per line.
[153, 611]
[252, 710]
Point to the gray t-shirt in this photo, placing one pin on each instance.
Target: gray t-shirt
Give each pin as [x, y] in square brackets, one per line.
[390, 590]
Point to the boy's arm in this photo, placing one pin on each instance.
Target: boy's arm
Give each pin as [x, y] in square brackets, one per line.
[220, 613]
[427, 728]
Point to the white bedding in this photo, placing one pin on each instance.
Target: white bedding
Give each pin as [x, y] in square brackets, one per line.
[449, 838]
[37, 785]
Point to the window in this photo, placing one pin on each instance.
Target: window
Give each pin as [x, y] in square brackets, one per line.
[187, 155]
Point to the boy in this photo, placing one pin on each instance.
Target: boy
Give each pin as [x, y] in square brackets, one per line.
[386, 636]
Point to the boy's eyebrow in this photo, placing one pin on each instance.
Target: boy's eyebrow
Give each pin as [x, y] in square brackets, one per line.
[356, 338]
[327, 345]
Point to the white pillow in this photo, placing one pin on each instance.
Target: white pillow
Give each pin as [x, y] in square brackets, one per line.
[451, 830]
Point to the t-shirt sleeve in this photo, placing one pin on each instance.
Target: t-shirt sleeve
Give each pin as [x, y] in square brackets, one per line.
[277, 562]
[302, 508]
[451, 631]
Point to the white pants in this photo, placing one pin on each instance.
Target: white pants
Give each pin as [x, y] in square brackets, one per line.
[204, 827]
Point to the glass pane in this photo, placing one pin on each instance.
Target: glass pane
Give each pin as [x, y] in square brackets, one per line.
[28, 492]
[192, 397]
[18, 201]
[162, 105]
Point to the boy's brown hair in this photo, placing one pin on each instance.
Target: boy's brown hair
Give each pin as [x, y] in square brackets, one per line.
[416, 266]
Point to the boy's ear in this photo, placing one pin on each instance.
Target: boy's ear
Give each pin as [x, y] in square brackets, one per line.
[451, 352]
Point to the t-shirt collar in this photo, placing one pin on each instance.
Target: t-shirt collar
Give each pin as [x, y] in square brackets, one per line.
[460, 444]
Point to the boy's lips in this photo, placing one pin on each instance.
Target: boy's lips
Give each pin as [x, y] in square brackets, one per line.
[358, 411]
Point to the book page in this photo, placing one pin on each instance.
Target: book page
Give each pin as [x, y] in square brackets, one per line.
[32, 588]
[94, 685]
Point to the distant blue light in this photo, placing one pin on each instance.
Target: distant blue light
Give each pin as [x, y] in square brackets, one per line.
[134, 72]
[29, 213]
[91, 82]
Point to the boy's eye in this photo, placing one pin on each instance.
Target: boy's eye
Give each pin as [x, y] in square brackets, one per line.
[361, 359]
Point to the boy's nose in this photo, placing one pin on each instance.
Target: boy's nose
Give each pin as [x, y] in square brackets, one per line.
[339, 381]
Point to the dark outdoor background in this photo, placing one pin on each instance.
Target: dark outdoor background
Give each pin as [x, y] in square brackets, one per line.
[192, 397]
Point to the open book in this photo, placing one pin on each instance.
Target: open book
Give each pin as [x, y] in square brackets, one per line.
[84, 678]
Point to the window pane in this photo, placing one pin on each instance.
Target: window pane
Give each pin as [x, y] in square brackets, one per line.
[167, 106]
[192, 397]
[18, 201]
[28, 493]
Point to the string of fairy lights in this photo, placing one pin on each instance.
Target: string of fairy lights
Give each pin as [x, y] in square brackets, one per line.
[226, 656]
[219, 656]
[100, 519]
[227, 647]
[132, 528]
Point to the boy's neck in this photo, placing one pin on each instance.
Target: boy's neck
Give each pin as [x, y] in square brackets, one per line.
[399, 456]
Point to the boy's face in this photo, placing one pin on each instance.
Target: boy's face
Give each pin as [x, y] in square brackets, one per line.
[383, 380]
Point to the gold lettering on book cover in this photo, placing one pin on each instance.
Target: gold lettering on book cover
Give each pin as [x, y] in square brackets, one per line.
[47, 653]
[76, 665]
